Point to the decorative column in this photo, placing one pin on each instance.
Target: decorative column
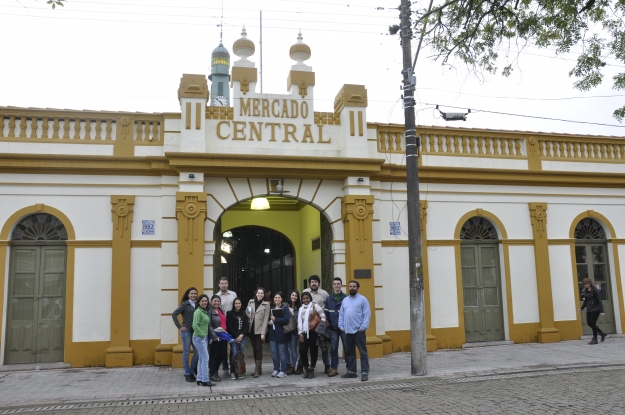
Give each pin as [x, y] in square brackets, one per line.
[547, 332]
[429, 337]
[357, 214]
[119, 354]
[191, 214]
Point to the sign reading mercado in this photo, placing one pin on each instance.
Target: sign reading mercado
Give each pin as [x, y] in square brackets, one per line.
[272, 119]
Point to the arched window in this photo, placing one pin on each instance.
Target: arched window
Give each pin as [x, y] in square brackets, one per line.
[478, 228]
[39, 227]
[589, 229]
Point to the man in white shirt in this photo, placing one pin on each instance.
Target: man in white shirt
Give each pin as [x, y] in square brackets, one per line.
[227, 300]
[319, 296]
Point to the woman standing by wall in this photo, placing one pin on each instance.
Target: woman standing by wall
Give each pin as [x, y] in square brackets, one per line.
[186, 309]
[307, 337]
[218, 348]
[238, 327]
[258, 313]
[278, 340]
[593, 305]
[294, 305]
[202, 331]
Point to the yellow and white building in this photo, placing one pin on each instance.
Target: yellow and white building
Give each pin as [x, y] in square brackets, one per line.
[108, 217]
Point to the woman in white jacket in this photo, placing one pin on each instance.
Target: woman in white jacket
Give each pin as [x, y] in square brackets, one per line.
[308, 338]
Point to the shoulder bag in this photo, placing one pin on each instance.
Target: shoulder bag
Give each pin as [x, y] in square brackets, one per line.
[313, 318]
[292, 326]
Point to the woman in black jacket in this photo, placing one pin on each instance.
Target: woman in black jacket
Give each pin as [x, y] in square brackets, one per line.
[237, 325]
[593, 305]
[186, 309]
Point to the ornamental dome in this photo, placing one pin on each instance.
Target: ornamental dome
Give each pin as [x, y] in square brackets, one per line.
[243, 48]
[220, 56]
[300, 51]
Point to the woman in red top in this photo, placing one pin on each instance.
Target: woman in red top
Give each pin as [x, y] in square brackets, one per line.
[218, 348]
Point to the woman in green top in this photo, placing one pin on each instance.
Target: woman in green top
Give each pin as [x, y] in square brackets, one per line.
[201, 332]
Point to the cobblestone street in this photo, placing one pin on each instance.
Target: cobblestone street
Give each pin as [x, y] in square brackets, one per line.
[538, 392]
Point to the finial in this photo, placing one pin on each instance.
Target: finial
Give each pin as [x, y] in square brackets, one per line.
[299, 36]
[300, 52]
[244, 33]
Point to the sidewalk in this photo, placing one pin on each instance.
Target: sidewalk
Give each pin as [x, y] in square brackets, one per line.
[57, 386]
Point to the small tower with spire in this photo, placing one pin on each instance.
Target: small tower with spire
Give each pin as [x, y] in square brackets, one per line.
[301, 78]
[220, 75]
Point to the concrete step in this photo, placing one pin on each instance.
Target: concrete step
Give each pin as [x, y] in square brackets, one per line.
[35, 366]
[487, 344]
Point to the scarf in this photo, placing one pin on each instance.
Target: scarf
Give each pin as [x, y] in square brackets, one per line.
[304, 315]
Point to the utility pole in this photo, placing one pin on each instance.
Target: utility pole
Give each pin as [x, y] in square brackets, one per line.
[418, 362]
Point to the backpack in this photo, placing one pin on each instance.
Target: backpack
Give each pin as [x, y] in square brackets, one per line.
[239, 364]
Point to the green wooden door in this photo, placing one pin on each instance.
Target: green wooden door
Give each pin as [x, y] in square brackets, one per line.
[481, 287]
[36, 309]
[592, 262]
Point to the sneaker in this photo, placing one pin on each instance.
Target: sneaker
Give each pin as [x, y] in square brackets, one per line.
[281, 375]
[349, 376]
[333, 372]
[274, 374]
[364, 378]
[226, 373]
[215, 378]
[233, 376]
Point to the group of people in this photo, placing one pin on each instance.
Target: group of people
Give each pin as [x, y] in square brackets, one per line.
[295, 326]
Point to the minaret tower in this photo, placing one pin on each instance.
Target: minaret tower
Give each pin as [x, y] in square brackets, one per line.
[220, 76]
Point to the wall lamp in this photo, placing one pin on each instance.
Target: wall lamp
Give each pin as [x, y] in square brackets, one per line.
[191, 176]
[360, 180]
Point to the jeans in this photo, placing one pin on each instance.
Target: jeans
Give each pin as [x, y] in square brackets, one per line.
[358, 339]
[224, 364]
[293, 348]
[201, 346]
[279, 353]
[334, 338]
[187, 343]
[218, 351]
[236, 347]
[323, 344]
[591, 320]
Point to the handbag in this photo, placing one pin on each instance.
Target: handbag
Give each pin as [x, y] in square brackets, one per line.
[313, 318]
[239, 364]
[292, 326]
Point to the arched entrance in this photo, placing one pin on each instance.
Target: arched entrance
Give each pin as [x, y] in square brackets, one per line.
[255, 256]
[481, 281]
[591, 257]
[36, 297]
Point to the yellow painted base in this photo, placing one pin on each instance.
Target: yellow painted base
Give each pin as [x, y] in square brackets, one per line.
[176, 357]
[387, 344]
[400, 340]
[162, 354]
[118, 357]
[449, 337]
[431, 343]
[375, 348]
[570, 329]
[548, 335]
[524, 333]
[85, 354]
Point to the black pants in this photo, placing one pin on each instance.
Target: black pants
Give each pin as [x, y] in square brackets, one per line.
[257, 346]
[309, 343]
[217, 355]
[591, 320]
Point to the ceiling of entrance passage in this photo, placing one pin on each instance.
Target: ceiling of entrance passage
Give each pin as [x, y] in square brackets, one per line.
[275, 203]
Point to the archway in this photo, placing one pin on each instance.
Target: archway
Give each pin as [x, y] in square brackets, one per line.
[481, 281]
[37, 275]
[305, 234]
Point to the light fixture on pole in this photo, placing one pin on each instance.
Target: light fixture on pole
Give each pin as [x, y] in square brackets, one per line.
[260, 203]
[454, 116]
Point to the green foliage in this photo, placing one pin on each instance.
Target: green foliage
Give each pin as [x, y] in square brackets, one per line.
[55, 3]
[479, 32]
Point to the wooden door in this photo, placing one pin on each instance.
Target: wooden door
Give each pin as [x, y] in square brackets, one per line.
[36, 309]
[592, 262]
[481, 287]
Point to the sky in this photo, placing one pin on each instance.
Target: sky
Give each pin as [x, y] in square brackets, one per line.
[129, 55]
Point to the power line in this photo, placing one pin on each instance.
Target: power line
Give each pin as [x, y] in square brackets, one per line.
[522, 98]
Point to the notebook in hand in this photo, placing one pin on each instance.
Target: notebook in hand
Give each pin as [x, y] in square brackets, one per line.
[277, 312]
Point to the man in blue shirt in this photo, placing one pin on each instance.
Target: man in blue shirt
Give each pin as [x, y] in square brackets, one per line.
[353, 321]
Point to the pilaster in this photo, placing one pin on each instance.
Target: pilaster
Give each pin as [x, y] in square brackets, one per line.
[119, 354]
[538, 215]
[357, 215]
[429, 337]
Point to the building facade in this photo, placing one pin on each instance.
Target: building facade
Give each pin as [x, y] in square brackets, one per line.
[108, 217]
